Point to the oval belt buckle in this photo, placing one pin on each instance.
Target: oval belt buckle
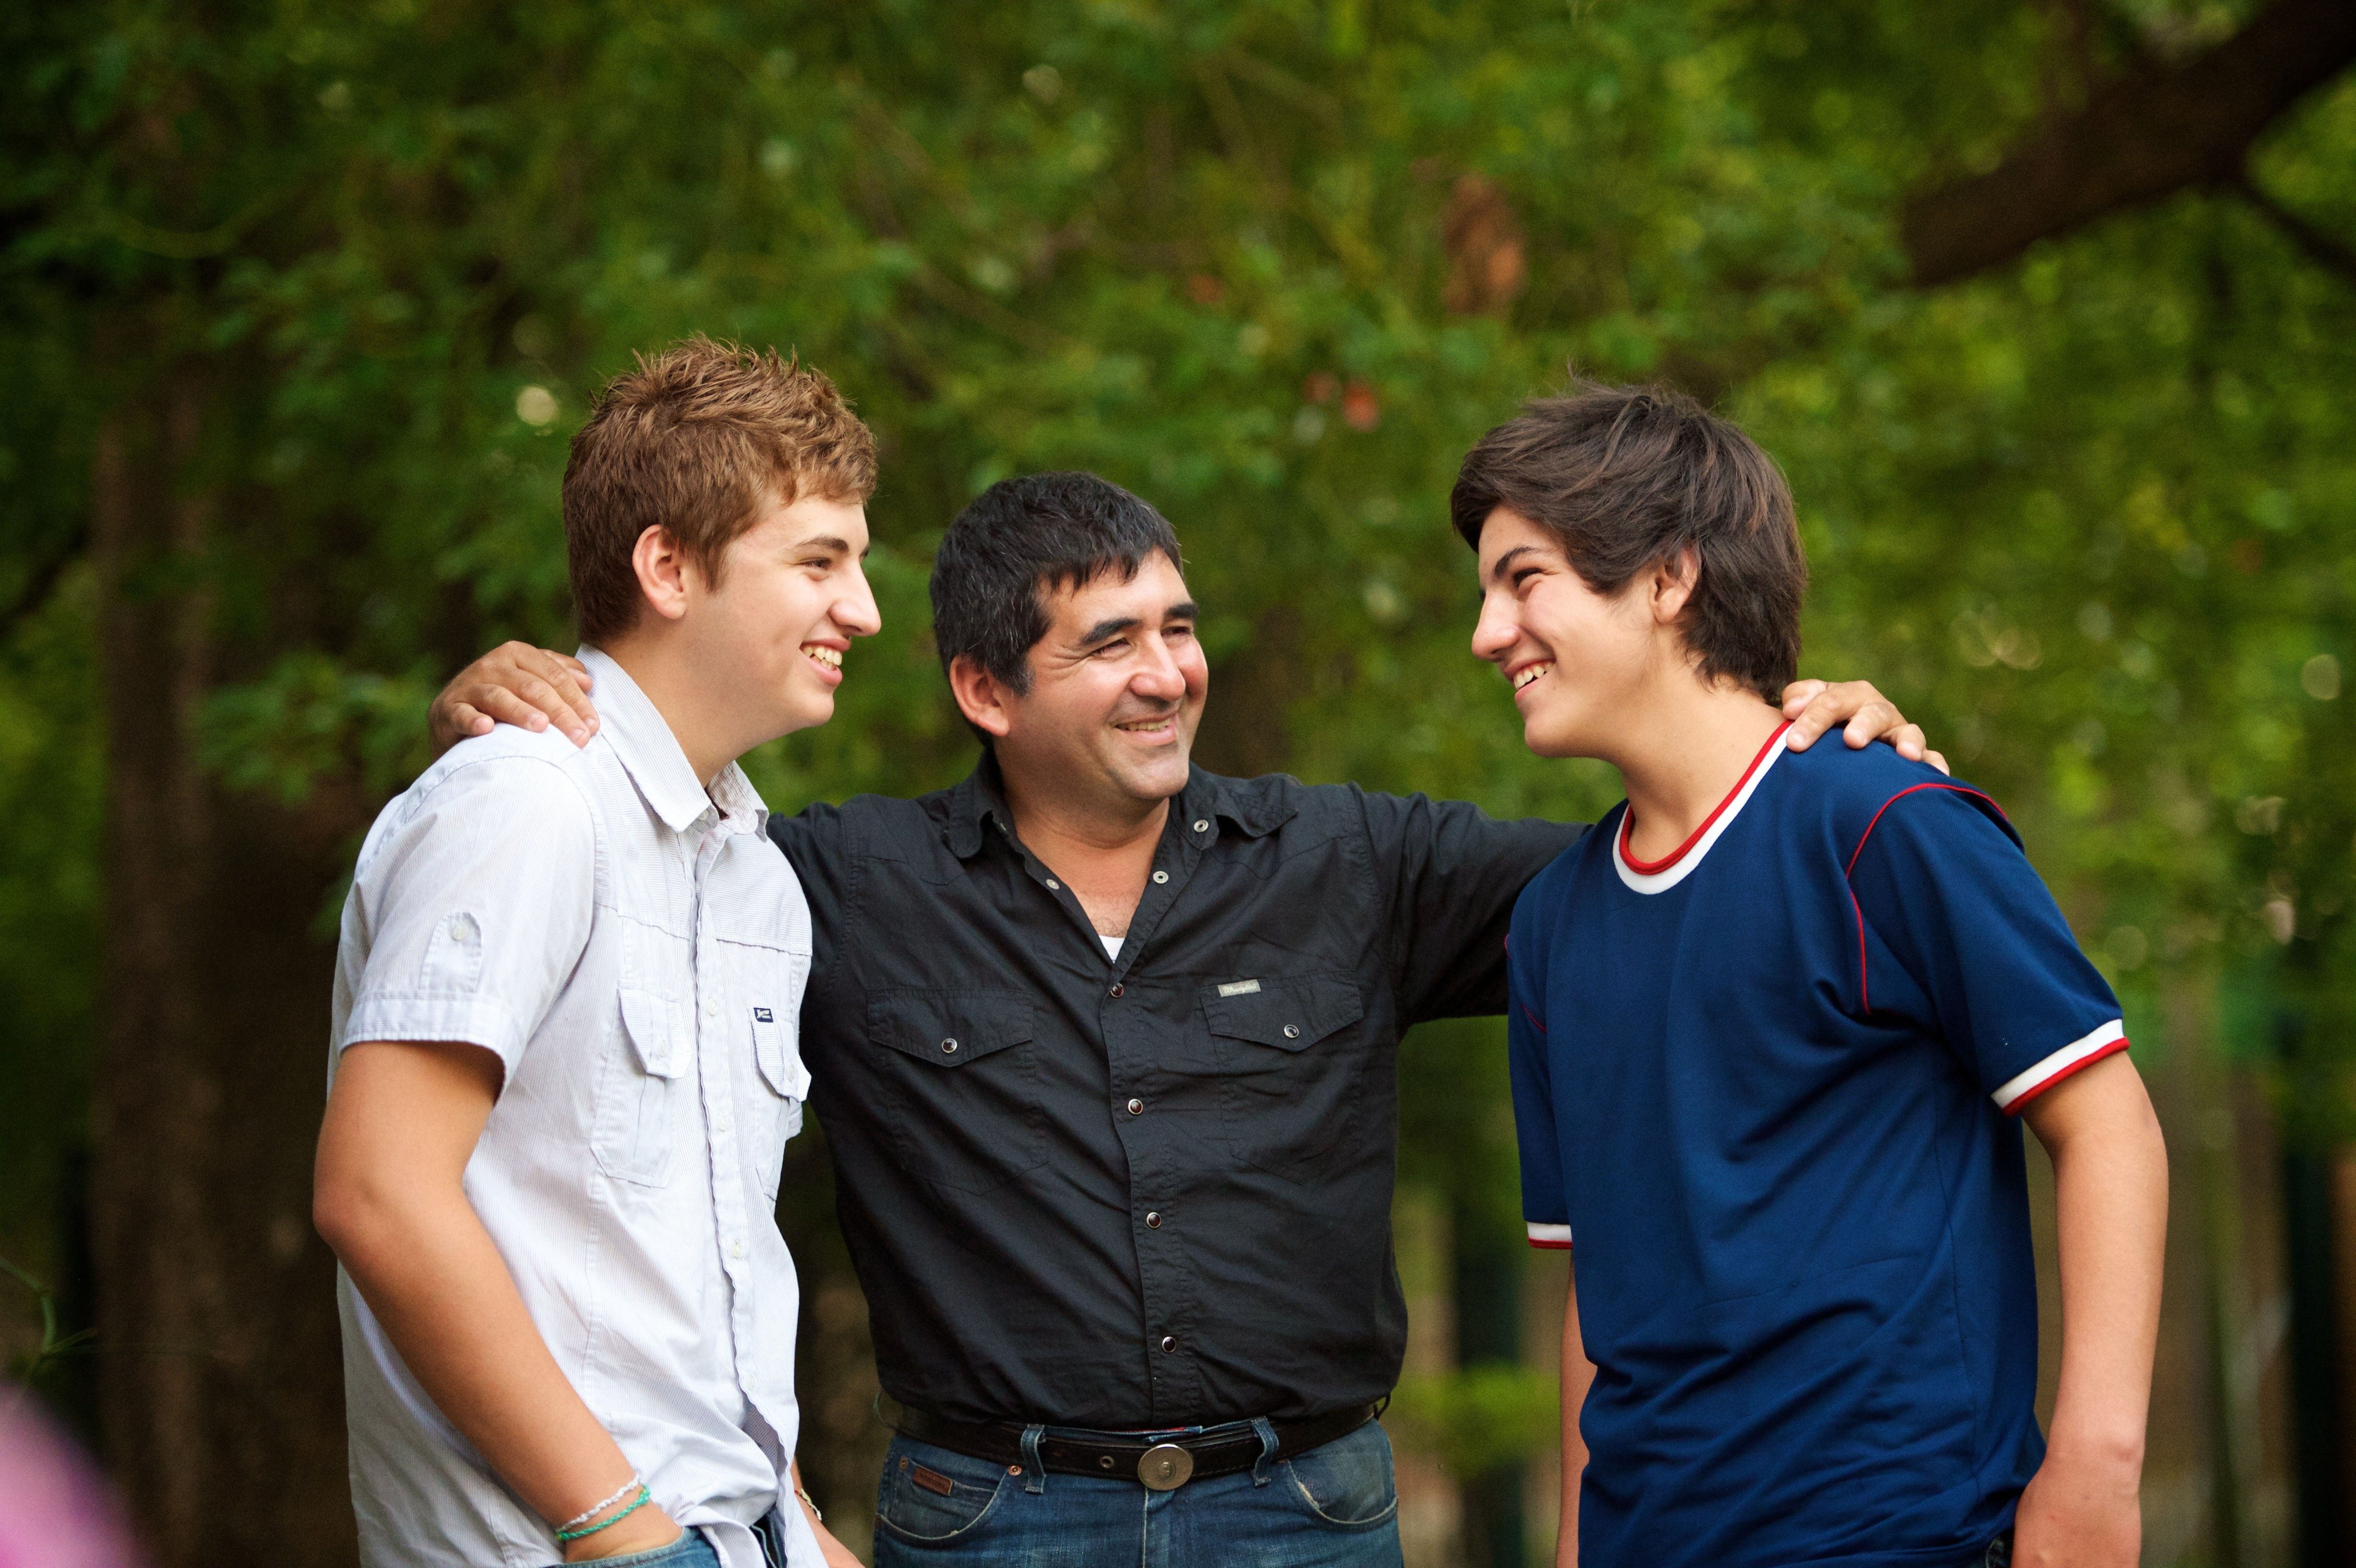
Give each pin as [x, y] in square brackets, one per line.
[1165, 1466]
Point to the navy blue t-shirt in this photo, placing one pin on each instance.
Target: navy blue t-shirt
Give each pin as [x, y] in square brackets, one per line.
[1762, 1087]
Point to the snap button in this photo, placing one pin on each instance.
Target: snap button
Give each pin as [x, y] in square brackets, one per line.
[1153, 1221]
[1160, 876]
[1168, 1344]
[948, 1048]
[1115, 991]
[1202, 825]
[1137, 1108]
[1292, 1032]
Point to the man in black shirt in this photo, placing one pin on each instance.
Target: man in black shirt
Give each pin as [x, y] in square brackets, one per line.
[1105, 1047]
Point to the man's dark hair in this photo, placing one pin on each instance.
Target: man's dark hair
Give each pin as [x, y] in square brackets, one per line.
[1626, 477]
[1021, 539]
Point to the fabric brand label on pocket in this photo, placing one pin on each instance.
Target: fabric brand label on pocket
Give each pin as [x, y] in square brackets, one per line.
[1239, 987]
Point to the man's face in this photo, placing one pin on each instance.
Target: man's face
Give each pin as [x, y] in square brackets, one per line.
[791, 597]
[1575, 658]
[1116, 689]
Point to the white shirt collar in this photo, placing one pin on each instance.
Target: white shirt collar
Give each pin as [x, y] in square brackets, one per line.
[642, 739]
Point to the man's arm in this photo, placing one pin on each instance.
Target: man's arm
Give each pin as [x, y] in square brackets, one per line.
[403, 1120]
[1577, 1377]
[2110, 1173]
[1452, 872]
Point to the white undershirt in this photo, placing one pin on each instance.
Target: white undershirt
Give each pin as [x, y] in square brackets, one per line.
[1112, 946]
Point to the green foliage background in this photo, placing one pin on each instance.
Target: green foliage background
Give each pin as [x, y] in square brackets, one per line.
[2084, 518]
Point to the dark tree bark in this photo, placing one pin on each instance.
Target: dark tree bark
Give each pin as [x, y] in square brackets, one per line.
[220, 1380]
[2155, 131]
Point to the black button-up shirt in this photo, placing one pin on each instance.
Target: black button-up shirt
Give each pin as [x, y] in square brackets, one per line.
[1154, 1191]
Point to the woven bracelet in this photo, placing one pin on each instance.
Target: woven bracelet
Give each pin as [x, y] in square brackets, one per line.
[644, 1498]
[602, 1504]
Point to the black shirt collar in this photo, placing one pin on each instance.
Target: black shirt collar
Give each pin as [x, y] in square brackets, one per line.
[1253, 808]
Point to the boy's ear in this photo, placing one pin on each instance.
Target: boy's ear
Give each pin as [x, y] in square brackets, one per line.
[662, 568]
[981, 697]
[1672, 583]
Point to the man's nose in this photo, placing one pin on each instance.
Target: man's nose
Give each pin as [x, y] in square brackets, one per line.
[1161, 678]
[855, 612]
[1493, 633]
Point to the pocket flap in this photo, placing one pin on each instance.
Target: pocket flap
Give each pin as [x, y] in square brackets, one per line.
[781, 1064]
[949, 1028]
[648, 1021]
[1290, 1014]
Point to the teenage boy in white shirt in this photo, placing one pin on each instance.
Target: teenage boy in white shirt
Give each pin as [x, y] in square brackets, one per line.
[564, 1063]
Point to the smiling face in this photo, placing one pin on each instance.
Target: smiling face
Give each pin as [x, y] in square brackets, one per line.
[1577, 661]
[771, 634]
[1116, 689]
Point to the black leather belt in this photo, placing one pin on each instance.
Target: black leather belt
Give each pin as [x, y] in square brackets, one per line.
[1160, 1460]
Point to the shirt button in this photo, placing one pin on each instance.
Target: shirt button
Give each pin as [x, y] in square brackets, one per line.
[1168, 1344]
[1160, 876]
[948, 1048]
[1137, 1108]
[710, 1008]
[1114, 992]
[1054, 886]
[720, 1126]
[1292, 1032]
[736, 1250]
[1153, 1222]
[1202, 825]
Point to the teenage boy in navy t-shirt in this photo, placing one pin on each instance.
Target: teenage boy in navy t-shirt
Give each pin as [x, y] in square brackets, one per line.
[1775, 1020]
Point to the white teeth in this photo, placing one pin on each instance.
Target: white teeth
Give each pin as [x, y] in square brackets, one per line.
[1529, 675]
[830, 657]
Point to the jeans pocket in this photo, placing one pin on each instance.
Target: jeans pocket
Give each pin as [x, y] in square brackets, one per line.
[1347, 1483]
[689, 1551]
[932, 1496]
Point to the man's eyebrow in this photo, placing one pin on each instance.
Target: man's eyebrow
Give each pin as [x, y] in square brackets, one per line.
[1183, 610]
[827, 542]
[1497, 570]
[1111, 627]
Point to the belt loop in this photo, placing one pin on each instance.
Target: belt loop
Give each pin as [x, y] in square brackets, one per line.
[1267, 1450]
[1035, 1474]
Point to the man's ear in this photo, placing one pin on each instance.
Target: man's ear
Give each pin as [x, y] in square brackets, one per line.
[981, 696]
[662, 568]
[1672, 583]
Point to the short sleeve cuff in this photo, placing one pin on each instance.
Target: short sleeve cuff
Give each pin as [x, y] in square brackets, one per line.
[469, 1021]
[2013, 1095]
[1553, 1238]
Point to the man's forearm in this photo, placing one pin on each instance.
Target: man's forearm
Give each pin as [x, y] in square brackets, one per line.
[436, 1282]
[1577, 1377]
[2111, 1190]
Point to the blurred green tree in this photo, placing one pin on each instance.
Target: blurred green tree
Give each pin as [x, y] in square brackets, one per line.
[302, 302]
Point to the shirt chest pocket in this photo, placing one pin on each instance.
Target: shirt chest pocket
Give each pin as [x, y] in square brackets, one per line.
[1290, 1065]
[763, 1013]
[960, 1076]
[643, 1080]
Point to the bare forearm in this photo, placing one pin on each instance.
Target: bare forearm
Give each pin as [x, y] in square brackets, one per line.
[1577, 1377]
[2111, 1188]
[434, 1280]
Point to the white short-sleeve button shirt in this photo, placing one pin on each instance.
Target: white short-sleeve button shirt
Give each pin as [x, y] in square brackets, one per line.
[634, 950]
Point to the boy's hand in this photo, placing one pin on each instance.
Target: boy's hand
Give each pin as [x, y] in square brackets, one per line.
[517, 684]
[2079, 1513]
[1864, 714]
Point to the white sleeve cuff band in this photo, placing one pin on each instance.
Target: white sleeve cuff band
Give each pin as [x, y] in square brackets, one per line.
[2018, 1092]
[1557, 1237]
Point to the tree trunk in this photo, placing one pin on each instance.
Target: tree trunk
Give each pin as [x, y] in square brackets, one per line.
[219, 1381]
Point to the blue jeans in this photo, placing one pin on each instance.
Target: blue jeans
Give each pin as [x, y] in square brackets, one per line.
[1334, 1507]
[689, 1551]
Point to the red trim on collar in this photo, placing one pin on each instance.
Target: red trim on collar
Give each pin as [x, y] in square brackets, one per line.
[1655, 868]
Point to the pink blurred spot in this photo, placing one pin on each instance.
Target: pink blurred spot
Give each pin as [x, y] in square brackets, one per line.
[55, 1510]
[1359, 409]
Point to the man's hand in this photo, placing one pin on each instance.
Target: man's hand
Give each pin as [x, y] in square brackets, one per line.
[1864, 714]
[2080, 1512]
[517, 684]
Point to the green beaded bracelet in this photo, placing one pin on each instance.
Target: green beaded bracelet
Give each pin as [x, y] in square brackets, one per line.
[644, 1498]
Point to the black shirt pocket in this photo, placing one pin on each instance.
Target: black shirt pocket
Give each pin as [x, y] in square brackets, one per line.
[1291, 1059]
[960, 1072]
